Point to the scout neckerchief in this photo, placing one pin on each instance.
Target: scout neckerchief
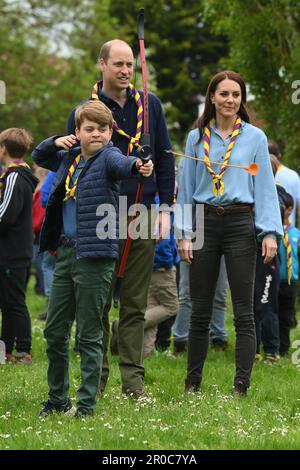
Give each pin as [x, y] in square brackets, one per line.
[288, 248]
[218, 185]
[14, 164]
[137, 97]
[70, 192]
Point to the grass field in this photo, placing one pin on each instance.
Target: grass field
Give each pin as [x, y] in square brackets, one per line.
[269, 418]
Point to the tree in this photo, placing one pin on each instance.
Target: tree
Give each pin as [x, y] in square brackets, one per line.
[45, 74]
[180, 48]
[264, 44]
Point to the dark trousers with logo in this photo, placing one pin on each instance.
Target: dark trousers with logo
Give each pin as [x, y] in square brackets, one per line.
[79, 289]
[287, 303]
[16, 323]
[266, 290]
[232, 235]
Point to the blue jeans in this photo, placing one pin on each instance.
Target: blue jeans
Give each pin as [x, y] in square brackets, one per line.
[182, 321]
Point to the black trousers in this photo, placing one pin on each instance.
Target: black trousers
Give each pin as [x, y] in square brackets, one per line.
[287, 301]
[16, 323]
[234, 236]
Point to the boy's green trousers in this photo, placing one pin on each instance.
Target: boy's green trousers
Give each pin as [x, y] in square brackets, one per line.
[79, 290]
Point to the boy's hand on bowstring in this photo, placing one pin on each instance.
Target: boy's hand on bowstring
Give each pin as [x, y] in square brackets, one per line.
[144, 169]
[66, 142]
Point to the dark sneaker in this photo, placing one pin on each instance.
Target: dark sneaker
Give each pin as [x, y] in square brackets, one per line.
[218, 344]
[23, 358]
[49, 408]
[114, 340]
[240, 389]
[179, 347]
[82, 413]
[189, 386]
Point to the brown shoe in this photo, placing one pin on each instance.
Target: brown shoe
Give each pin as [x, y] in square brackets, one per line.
[43, 315]
[240, 389]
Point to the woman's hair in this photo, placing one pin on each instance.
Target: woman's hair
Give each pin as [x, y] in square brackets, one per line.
[274, 163]
[94, 111]
[209, 108]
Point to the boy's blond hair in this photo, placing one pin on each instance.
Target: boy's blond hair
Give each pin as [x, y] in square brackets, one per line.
[16, 141]
[94, 111]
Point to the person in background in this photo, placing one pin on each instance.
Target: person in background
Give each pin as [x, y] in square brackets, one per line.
[38, 217]
[289, 275]
[17, 186]
[289, 180]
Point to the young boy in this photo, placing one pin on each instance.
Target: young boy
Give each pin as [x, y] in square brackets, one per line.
[17, 185]
[84, 195]
[289, 274]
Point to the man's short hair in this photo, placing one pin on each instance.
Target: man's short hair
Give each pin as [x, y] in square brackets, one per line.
[94, 111]
[17, 141]
[105, 49]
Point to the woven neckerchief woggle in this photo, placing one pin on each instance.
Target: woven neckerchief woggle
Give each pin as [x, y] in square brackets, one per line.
[218, 185]
[137, 97]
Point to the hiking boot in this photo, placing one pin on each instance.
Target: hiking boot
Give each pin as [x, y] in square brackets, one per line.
[135, 394]
[179, 347]
[114, 340]
[23, 358]
[43, 315]
[82, 413]
[240, 389]
[189, 386]
[218, 344]
[49, 408]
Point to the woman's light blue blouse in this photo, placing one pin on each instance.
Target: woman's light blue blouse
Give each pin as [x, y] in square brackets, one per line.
[195, 183]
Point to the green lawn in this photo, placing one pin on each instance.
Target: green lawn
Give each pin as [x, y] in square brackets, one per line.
[269, 418]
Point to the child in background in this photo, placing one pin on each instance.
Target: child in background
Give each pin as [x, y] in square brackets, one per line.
[289, 275]
[162, 296]
[17, 185]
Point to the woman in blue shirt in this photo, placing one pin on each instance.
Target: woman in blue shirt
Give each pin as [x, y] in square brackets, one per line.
[234, 202]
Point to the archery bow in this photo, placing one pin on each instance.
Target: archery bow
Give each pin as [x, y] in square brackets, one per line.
[143, 151]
